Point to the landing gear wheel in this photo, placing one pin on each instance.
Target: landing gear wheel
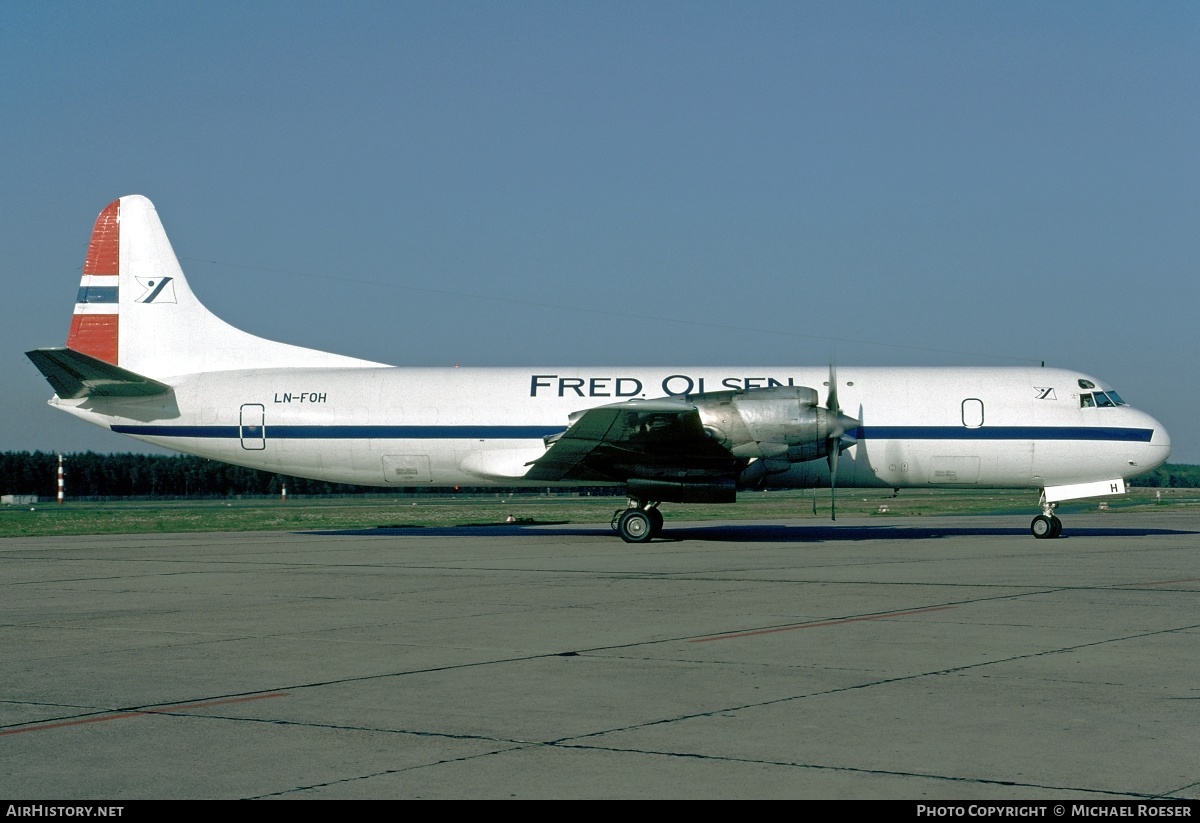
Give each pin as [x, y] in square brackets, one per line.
[1044, 527]
[635, 526]
[656, 522]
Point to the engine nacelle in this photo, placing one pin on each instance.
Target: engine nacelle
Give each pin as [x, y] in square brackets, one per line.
[774, 427]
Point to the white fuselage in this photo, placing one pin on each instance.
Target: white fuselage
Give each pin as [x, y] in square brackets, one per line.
[1001, 427]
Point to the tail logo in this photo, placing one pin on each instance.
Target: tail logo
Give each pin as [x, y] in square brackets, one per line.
[157, 290]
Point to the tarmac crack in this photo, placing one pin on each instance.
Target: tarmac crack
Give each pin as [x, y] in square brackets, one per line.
[861, 770]
[883, 682]
[383, 773]
[790, 764]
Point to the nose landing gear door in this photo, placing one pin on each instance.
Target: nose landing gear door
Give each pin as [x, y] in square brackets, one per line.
[251, 429]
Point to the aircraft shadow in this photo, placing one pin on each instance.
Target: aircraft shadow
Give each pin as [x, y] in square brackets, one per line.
[754, 533]
[804, 534]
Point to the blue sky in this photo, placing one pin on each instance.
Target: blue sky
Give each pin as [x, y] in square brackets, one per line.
[624, 183]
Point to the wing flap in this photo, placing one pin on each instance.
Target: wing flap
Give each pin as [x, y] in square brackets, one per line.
[74, 374]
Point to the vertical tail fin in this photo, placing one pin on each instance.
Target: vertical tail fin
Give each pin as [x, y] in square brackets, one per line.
[136, 310]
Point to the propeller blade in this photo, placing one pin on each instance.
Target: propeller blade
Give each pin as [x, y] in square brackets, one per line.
[833, 464]
[831, 402]
[833, 445]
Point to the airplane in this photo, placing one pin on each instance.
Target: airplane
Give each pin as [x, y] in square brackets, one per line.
[145, 358]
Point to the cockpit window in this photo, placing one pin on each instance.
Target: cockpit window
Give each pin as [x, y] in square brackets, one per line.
[1086, 384]
[1100, 399]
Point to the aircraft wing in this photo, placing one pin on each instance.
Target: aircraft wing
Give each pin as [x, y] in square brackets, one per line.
[643, 438]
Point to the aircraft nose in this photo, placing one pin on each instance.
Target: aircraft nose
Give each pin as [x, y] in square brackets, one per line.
[1159, 447]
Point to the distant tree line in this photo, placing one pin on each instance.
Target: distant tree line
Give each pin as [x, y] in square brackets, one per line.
[1170, 475]
[89, 474]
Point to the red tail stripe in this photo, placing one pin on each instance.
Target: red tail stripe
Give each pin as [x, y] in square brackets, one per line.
[104, 249]
[96, 334]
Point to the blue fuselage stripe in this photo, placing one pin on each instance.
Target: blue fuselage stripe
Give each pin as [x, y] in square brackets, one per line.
[284, 432]
[353, 432]
[1004, 433]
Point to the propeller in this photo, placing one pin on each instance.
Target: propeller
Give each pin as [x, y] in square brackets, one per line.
[836, 440]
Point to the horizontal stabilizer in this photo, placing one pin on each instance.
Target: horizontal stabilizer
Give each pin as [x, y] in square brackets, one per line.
[75, 374]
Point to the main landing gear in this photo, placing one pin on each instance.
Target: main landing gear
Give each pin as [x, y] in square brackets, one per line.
[1046, 526]
[639, 523]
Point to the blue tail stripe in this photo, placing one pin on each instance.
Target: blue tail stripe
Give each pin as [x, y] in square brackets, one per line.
[97, 294]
